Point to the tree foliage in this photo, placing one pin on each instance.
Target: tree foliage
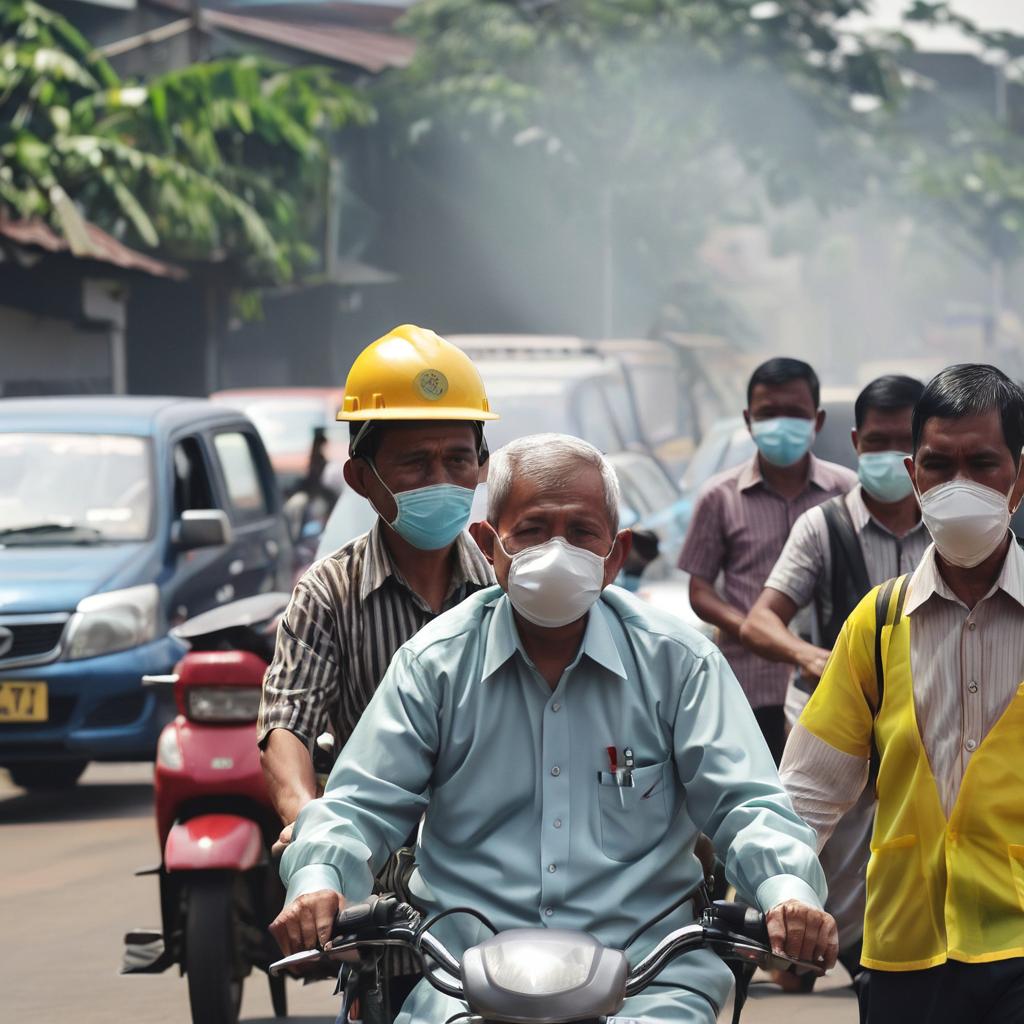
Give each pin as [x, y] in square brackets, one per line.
[220, 160]
[694, 113]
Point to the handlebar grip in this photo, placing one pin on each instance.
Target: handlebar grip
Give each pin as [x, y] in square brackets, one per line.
[742, 920]
[373, 912]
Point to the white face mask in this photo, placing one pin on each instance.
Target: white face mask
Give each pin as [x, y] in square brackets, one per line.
[554, 583]
[967, 520]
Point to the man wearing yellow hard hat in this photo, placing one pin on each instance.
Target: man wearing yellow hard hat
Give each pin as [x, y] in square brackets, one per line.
[416, 407]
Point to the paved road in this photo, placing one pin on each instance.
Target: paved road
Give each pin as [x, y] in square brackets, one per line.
[67, 895]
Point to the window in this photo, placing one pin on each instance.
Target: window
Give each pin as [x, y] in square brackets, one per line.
[100, 483]
[191, 482]
[241, 474]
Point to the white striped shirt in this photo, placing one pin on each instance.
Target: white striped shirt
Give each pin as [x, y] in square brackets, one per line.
[966, 666]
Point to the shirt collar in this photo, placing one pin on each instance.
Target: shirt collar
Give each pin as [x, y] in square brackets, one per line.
[817, 476]
[861, 515]
[927, 581]
[378, 566]
[503, 640]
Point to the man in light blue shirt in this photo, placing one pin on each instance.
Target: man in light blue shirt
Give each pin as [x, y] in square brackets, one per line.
[565, 745]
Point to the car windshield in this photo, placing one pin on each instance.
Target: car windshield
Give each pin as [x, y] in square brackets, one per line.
[99, 485]
[285, 424]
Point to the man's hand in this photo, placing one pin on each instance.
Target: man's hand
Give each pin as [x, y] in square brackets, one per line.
[277, 850]
[813, 662]
[307, 921]
[804, 933]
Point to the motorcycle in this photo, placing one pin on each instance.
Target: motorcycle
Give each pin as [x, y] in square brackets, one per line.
[533, 975]
[219, 889]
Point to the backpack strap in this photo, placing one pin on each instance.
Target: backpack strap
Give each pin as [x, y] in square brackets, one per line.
[883, 602]
[848, 576]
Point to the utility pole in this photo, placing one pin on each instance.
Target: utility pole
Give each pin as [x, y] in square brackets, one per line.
[195, 35]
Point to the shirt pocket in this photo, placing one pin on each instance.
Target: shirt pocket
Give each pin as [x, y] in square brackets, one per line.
[633, 819]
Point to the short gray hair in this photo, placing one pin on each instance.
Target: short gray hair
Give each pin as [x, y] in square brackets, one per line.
[549, 460]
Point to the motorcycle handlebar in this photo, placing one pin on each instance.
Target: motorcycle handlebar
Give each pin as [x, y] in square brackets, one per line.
[732, 930]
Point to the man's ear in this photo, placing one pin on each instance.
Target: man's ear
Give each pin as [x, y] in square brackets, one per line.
[355, 471]
[855, 439]
[819, 421]
[746, 417]
[617, 559]
[1018, 488]
[912, 470]
[482, 533]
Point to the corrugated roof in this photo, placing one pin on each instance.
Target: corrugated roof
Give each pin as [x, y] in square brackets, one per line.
[324, 36]
[104, 248]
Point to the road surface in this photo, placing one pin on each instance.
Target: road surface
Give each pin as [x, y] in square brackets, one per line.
[68, 895]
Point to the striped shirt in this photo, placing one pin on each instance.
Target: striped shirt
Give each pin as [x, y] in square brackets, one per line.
[739, 528]
[348, 615]
[804, 569]
[966, 666]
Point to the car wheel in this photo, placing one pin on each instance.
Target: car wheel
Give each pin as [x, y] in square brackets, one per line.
[214, 986]
[41, 775]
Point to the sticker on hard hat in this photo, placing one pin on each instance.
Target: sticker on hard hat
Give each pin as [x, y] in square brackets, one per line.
[431, 384]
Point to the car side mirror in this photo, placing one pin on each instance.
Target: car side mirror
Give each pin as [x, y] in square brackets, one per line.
[202, 528]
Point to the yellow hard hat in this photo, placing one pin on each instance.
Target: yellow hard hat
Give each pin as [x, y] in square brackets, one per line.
[412, 374]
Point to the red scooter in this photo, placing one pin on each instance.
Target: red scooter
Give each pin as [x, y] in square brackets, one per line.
[219, 889]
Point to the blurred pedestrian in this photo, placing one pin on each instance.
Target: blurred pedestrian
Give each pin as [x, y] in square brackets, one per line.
[416, 407]
[926, 673]
[744, 515]
[836, 553]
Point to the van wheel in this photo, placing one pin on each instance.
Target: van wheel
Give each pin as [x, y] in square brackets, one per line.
[214, 987]
[37, 775]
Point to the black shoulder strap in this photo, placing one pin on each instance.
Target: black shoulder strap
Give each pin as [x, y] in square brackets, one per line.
[843, 542]
[883, 601]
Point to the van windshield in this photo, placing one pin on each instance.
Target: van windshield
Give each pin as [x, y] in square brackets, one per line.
[61, 487]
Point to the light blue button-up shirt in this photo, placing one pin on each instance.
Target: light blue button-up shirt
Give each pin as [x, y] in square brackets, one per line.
[521, 817]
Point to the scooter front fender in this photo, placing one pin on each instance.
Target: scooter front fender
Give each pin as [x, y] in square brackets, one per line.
[212, 842]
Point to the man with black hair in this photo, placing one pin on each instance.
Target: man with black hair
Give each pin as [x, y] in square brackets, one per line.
[836, 553]
[744, 515]
[925, 682]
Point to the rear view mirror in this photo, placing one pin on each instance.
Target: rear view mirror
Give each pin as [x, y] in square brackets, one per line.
[201, 528]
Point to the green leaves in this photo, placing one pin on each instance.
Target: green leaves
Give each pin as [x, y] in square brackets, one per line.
[219, 161]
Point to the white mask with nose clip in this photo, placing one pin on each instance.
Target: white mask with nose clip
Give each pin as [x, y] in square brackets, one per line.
[554, 583]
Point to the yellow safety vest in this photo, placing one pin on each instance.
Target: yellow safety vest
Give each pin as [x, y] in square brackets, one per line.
[937, 890]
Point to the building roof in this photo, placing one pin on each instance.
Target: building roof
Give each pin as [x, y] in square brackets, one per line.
[110, 414]
[324, 37]
[358, 34]
[101, 247]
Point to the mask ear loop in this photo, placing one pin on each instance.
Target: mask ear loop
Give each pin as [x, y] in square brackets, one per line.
[373, 467]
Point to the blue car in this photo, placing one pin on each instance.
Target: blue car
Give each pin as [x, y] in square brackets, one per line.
[119, 518]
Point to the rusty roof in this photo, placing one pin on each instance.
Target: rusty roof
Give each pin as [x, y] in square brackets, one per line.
[103, 248]
[322, 34]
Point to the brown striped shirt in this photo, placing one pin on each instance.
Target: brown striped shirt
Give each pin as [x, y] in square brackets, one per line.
[348, 615]
[739, 528]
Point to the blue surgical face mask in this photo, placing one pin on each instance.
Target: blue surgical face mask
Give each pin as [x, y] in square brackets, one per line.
[784, 440]
[884, 476]
[430, 518]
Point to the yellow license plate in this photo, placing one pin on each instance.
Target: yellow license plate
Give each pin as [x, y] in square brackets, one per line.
[23, 702]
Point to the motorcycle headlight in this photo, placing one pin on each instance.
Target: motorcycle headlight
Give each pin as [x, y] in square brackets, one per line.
[222, 703]
[538, 968]
[115, 621]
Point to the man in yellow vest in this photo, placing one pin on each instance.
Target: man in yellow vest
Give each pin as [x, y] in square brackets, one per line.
[925, 681]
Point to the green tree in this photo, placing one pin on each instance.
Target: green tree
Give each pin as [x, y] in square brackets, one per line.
[652, 120]
[223, 160]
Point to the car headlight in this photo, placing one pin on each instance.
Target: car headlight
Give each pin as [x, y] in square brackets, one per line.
[222, 703]
[115, 621]
[538, 968]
